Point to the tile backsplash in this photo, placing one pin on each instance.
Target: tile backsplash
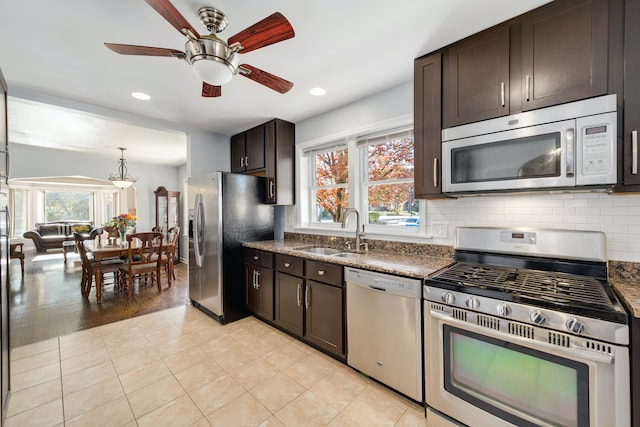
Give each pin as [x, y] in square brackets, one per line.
[618, 216]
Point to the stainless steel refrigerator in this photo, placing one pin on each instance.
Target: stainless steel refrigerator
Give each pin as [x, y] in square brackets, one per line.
[4, 253]
[226, 211]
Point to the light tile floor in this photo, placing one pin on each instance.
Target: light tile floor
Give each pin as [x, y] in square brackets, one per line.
[179, 367]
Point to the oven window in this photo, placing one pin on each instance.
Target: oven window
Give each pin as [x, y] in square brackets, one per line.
[531, 157]
[512, 382]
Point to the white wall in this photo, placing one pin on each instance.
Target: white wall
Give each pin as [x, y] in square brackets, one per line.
[616, 215]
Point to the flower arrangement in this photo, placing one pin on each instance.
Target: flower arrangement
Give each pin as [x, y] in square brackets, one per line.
[122, 222]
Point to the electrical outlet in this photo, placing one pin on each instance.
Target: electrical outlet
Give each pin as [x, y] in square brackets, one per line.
[439, 231]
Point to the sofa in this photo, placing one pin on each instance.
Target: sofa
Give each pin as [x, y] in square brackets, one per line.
[50, 235]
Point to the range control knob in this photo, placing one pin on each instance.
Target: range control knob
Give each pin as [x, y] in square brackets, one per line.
[473, 303]
[538, 318]
[575, 326]
[504, 310]
[448, 298]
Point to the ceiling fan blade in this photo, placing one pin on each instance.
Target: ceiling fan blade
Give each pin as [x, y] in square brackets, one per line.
[267, 79]
[129, 49]
[270, 30]
[169, 12]
[211, 91]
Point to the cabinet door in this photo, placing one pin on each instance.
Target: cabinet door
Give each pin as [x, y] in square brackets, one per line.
[237, 153]
[427, 126]
[279, 146]
[289, 302]
[254, 148]
[324, 324]
[564, 53]
[259, 286]
[631, 160]
[476, 84]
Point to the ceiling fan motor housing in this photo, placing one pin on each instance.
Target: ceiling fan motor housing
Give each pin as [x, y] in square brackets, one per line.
[210, 47]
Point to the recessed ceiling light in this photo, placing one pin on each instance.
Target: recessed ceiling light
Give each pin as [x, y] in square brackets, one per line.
[140, 95]
[317, 91]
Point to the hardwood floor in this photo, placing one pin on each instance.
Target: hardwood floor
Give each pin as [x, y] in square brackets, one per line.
[47, 303]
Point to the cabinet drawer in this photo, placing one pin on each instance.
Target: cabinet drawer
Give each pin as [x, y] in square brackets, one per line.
[261, 258]
[324, 272]
[289, 264]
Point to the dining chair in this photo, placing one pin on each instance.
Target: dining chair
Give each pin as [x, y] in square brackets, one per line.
[111, 265]
[144, 256]
[173, 237]
[16, 252]
[111, 233]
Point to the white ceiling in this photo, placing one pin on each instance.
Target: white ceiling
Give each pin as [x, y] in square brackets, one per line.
[351, 48]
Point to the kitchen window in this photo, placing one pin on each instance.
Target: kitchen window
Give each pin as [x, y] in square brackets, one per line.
[373, 173]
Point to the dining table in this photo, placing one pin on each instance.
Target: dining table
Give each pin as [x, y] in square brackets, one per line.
[110, 248]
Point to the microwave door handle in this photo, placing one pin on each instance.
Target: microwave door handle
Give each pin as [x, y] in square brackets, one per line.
[570, 152]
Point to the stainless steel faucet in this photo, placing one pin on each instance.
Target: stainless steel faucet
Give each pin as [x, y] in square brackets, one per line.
[359, 233]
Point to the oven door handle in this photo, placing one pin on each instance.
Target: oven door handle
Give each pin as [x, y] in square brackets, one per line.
[578, 352]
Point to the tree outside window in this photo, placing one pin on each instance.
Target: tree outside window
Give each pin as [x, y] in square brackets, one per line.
[390, 186]
[330, 187]
[67, 205]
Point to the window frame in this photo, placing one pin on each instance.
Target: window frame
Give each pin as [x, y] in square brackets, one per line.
[35, 209]
[304, 220]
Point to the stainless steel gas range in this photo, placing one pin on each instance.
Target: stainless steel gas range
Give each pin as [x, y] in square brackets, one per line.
[524, 330]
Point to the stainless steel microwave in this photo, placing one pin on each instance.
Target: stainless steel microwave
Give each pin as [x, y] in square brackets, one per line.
[556, 148]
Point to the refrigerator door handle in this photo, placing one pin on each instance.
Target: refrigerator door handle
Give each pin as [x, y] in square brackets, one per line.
[197, 232]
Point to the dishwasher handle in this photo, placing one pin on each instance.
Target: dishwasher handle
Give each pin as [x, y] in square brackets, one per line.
[375, 288]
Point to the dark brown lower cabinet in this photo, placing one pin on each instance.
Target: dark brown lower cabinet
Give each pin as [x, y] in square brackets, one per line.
[289, 310]
[308, 308]
[259, 284]
[324, 316]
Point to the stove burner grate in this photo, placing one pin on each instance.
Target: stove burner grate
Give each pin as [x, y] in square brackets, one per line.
[555, 287]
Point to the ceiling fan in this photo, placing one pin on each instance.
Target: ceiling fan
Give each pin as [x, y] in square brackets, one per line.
[214, 60]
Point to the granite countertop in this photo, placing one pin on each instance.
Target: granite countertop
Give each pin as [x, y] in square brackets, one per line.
[413, 266]
[628, 291]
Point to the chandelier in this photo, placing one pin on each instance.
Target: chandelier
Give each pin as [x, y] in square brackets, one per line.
[122, 180]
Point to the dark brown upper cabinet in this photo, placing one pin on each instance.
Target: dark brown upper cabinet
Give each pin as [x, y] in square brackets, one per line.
[268, 150]
[427, 125]
[630, 164]
[248, 151]
[564, 53]
[554, 54]
[477, 79]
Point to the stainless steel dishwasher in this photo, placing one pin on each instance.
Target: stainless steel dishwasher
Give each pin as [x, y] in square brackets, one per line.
[384, 329]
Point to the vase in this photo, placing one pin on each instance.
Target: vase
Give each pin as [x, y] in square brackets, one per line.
[123, 234]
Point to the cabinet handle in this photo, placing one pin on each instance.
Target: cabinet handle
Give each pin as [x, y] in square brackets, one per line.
[253, 279]
[570, 151]
[634, 152]
[307, 291]
[272, 189]
[527, 87]
[298, 294]
[435, 172]
[241, 161]
[321, 272]
[257, 280]
[502, 87]
[246, 161]
[287, 265]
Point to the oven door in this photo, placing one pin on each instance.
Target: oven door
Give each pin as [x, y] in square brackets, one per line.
[486, 371]
[527, 158]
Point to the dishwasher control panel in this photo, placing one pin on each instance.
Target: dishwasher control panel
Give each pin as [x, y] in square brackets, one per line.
[403, 286]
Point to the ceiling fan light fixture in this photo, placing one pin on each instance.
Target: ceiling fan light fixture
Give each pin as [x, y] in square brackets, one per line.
[212, 71]
[122, 179]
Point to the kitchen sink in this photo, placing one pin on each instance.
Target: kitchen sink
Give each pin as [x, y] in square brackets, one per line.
[320, 250]
[347, 255]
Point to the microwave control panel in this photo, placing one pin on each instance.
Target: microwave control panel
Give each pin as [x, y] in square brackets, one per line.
[596, 149]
